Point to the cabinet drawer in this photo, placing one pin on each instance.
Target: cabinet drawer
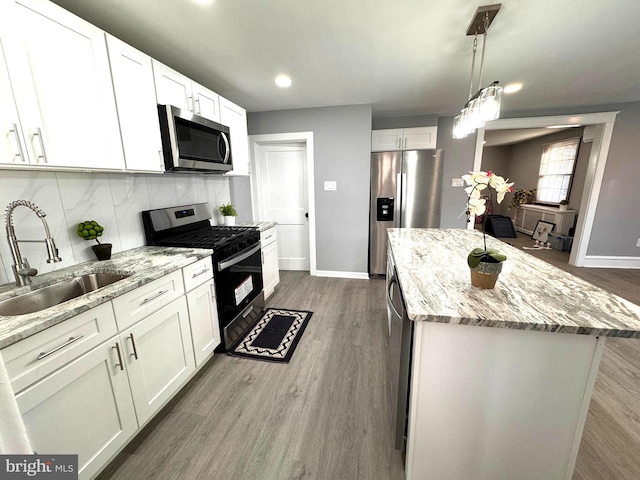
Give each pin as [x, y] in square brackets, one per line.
[37, 356]
[197, 273]
[143, 301]
[268, 236]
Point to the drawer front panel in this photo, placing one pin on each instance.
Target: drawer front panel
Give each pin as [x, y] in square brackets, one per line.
[268, 236]
[133, 306]
[37, 356]
[197, 273]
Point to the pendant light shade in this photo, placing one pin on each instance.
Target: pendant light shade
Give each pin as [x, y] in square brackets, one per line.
[484, 106]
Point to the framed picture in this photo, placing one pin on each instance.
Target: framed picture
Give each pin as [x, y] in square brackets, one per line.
[541, 232]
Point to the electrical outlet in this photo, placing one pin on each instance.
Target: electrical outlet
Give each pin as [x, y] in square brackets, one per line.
[457, 182]
[331, 185]
[638, 243]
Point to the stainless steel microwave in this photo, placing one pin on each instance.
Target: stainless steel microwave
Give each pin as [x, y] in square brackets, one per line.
[191, 143]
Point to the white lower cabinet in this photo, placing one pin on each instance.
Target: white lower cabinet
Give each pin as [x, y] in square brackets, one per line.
[203, 316]
[158, 356]
[270, 264]
[84, 408]
[87, 385]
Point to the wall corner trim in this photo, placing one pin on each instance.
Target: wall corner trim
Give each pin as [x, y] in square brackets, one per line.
[336, 274]
[603, 261]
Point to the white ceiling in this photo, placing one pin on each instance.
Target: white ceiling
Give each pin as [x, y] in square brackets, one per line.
[496, 138]
[404, 57]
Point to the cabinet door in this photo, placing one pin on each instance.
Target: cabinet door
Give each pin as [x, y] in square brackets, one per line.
[206, 102]
[159, 357]
[270, 268]
[137, 111]
[235, 117]
[62, 83]
[420, 138]
[172, 88]
[84, 408]
[388, 139]
[203, 318]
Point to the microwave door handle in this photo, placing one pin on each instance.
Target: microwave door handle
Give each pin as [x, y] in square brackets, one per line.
[227, 150]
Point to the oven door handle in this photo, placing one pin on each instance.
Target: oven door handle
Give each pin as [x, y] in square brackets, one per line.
[238, 258]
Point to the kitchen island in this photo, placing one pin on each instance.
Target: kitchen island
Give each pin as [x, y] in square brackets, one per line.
[509, 401]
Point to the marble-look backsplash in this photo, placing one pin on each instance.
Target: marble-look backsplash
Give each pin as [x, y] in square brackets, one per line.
[114, 200]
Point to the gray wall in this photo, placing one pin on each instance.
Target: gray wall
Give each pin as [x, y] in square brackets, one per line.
[458, 160]
[342, 148]
[616, 226]
[404, 122]
[520, 162]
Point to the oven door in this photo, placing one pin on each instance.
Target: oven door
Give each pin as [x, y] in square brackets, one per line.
[238, 281]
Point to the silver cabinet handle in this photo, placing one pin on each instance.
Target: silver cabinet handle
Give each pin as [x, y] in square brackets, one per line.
[197, 105]
[153, 297]
[161, 159]
[120, 363]
[133, 344]
[43, 153]
[204, 270]
[20, 153]
[405, 143]
[68, 342]
[190, 103]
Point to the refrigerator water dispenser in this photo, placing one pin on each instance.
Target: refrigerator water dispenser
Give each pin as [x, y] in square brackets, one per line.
[384, 209]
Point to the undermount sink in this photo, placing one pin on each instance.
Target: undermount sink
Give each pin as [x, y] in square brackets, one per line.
[57, 293]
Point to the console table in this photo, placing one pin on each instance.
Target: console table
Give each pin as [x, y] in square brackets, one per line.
[527, 217]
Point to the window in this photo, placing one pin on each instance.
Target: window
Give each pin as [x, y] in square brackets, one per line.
[556, 170]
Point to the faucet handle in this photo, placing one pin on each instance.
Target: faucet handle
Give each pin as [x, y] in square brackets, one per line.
[52, 251]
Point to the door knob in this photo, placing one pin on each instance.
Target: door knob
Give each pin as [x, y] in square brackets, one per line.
[306, 215]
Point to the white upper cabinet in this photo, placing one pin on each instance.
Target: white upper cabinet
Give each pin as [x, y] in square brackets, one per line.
[173, 88]
[418, 138]
[235, 117]
[59, 73]
[134, 89]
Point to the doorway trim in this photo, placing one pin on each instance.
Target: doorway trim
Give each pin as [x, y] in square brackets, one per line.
[595, 170]
[255, 141]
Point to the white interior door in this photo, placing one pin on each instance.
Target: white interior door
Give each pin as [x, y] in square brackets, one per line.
[282, 179]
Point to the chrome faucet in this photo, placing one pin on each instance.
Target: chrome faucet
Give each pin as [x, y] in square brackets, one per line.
[21, 269]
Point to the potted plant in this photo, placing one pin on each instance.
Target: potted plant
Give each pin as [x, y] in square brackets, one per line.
[564, 204]
[521, 196]
[485, 263]
[229, 213]
[91, 230]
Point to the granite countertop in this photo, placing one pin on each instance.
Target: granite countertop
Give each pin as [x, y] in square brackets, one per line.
[530, 294]
[260, 225]
[144, 264]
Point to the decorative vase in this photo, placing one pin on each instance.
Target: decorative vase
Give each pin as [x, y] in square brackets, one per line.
[102, 251]
[562, 208]
[485, 274]
[229, 221]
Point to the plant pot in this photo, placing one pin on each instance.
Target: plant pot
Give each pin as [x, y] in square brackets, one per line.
[485, 275]
[230, 221]
[562, 208]
[102, 251]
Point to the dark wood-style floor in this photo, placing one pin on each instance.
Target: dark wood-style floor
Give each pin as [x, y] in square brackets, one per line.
[326, 414]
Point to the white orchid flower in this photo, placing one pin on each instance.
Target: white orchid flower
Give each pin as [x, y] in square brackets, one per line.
[475, 178]
[476, 206]
[501, 189]
[474, 191]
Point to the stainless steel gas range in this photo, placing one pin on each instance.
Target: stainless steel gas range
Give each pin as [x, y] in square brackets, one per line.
[237, 262]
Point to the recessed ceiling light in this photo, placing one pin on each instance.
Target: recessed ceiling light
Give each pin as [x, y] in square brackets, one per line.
[513, 87]
[283, 81]
[564, 126]
[203, 2]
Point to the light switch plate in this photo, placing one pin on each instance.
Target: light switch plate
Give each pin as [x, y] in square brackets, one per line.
[638, 243]
[457, 182]
[331, 185]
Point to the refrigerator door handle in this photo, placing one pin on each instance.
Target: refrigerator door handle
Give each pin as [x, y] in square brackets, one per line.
[399, 199]
[403, 199]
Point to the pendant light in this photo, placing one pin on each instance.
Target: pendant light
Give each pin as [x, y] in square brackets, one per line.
[484, 105]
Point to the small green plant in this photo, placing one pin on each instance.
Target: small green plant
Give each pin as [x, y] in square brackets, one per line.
[489, 255]
[90, 230]
[228, 211]
[564, 202]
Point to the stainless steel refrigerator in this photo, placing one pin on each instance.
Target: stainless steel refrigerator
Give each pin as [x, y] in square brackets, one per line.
[406, 191]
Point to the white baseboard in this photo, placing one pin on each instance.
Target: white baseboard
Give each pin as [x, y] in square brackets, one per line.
[331, 273]
[602, 261]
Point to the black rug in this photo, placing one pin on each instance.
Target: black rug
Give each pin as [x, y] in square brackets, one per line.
[274, 337]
